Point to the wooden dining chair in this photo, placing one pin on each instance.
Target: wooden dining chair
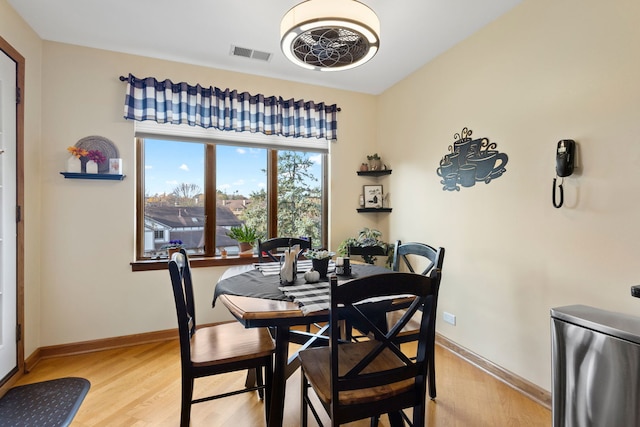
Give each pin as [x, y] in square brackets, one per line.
[268, 249]
[418, 258]
[357, 380]
[216, 349]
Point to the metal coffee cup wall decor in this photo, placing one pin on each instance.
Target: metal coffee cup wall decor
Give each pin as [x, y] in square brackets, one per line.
[469, 161]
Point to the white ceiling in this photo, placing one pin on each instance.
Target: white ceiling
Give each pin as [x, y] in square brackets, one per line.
[201, 32]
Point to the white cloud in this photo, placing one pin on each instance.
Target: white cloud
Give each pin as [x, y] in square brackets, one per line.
[148, 167]
[262, 185]
[224, 187]
[316, 158]
[239, 182]
[173, 182]
[184, 167]
[241, 151]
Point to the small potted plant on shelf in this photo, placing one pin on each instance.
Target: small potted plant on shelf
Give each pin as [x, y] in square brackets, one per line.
[375, 163]
[172, 247]
[246, 237]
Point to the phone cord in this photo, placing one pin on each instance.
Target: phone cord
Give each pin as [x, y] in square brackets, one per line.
[558, 205]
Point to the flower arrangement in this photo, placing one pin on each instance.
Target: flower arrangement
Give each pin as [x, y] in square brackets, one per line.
[318, 254]
[173, 244]
[96, 156]
[77, 151]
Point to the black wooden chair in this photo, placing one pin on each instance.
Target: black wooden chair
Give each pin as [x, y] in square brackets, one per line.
[357, 380]
[268, 249]
[216, 349]
[418, 257]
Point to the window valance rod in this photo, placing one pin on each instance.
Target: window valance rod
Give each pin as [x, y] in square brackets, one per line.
[226, 109]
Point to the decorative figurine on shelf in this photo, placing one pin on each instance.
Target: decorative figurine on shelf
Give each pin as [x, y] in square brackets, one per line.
[364, 167]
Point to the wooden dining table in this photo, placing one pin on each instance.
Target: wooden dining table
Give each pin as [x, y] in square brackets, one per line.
[256, 300]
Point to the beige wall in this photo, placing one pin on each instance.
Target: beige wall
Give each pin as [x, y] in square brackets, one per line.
[548, 70]
[88, 233]
[20, 36]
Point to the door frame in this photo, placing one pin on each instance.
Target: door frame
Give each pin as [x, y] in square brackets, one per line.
[20, 79]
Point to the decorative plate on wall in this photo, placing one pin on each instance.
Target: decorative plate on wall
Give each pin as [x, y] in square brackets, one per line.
[104, 145]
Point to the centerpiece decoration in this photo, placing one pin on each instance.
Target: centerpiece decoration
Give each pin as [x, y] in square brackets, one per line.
[319, 260]
[368, 238]
[172, 247]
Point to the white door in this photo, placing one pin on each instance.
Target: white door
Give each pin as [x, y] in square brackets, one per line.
[8, 228]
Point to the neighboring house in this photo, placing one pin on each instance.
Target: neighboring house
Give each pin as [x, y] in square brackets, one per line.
[186, 223]
[237, 206]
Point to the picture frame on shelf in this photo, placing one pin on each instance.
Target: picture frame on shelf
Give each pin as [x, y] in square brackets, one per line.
[372, 196]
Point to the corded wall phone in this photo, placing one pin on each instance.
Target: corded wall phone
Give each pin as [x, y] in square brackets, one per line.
[565, 154]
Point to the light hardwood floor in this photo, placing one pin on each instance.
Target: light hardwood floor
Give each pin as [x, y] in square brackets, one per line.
[140, 386]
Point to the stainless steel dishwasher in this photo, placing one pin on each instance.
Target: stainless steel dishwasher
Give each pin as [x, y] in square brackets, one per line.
[595, 367]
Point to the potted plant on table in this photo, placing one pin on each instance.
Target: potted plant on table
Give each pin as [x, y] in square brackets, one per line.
[319, 260]
[172, 247]
[246, 237]
[368, 238]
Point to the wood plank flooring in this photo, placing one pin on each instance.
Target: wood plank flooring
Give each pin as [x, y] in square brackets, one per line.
[140, 386]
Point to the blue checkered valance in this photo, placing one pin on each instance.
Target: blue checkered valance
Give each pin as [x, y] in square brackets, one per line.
[229, 110]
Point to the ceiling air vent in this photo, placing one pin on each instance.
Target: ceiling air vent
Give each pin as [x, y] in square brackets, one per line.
[250, 53]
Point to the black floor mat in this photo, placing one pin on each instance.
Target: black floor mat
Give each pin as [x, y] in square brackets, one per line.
[43, 404]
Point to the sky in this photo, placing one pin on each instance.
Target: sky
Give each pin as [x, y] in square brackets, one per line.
[238, 169]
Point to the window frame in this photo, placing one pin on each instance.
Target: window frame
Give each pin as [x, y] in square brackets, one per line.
[209, 258]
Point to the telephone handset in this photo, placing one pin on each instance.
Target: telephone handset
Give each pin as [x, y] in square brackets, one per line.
[565, 154]
[564, 157]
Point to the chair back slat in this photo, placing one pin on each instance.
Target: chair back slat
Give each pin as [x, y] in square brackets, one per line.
[268, 249]
[419, 253]
[180, 272]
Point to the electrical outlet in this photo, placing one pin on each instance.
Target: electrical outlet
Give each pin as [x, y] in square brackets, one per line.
[449, 318]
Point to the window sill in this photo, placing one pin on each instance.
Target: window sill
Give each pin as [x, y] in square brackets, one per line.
[161, 264]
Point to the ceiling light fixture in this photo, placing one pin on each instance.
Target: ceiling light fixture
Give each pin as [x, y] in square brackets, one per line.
[330, 35]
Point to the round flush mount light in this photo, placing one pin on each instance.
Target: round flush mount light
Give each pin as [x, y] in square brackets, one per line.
[330, 35]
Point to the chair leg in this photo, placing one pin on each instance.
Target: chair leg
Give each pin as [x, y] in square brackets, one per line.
[374, 421]
[431, 356]
[395, 419]
[187, 396]
[259, 382]
[303, 400]
[268, 388]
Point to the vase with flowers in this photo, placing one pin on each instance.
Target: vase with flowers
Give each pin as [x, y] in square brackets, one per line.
[94, 157]
[74, 164]
[319, 260]
[172, 247]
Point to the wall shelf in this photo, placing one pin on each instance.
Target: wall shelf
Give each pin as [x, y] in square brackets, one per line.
[107, 176]
[375, 173]
[362, 210]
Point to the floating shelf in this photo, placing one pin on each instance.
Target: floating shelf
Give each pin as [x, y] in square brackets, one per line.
[108, 176]
[375, 173]
[374, 210]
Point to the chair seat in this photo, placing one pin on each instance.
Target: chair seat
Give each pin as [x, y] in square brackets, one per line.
[316, 364]
[229, 342]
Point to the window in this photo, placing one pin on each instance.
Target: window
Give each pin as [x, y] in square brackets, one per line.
[194, 191]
